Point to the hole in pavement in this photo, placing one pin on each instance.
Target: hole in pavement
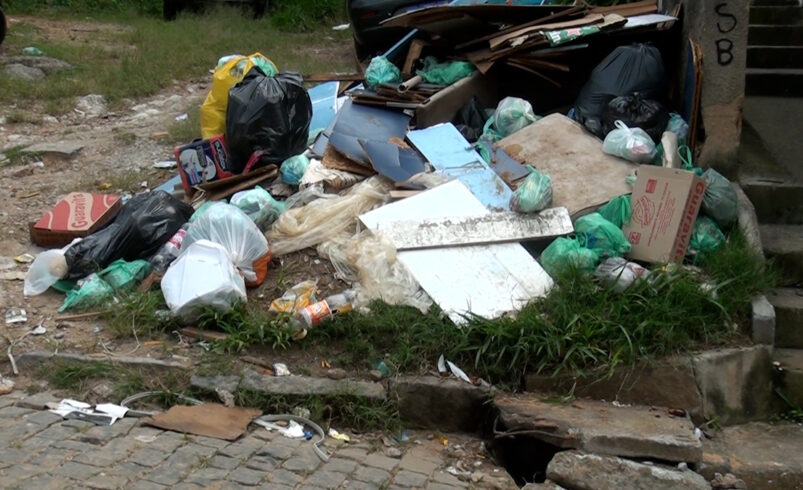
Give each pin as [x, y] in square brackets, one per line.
[524, 457]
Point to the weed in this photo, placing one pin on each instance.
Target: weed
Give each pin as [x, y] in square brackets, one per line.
[139, 314]
[793, 413]
[125, 138]
[16, 155]
[188, 129]
[71, 376]
[22, 116]
[216, 363]
[305, 15]
[247, 326]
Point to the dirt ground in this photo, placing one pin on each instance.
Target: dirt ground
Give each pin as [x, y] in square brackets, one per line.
[119, 150]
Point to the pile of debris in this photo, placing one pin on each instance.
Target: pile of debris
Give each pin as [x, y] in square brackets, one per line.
[421, 178]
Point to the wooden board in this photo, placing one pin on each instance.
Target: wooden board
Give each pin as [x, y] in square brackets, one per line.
[583, 177]
[335, 160]
[477, 230]
[485, 280]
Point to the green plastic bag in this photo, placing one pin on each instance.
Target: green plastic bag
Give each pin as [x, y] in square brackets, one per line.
[259, 205]
[122, 275]
[720, 201]
[678, 126]
[567, 252]
[706, 237]
[94, 291]
[617, 211]
[380, 70]
[511, 115]
[444, 73]
[597, 233]
[293, 169]
[534, 194]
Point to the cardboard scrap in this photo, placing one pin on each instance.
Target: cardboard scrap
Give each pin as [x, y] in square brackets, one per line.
[78, 214]
[207, 419]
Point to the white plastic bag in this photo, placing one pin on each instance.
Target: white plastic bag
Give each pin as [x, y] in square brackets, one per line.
[202, 276]
[620, 273]
[633, 144]
[46, 270]
[228, 226]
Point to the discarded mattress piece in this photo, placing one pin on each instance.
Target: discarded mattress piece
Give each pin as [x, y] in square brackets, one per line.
[207, 419]
[592, 179]
[483, 280]
[448, 151]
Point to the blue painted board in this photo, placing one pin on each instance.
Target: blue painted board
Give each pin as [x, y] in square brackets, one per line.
[324, 105]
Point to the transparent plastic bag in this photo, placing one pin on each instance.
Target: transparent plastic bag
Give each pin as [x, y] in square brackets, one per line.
[617, 210]
[564, 253]
[93, 291]
[619, 273]
[719, 202]
[595, 232]
[534, 194]
[511, 115]
[323, 219]
[632, 144]
[46, 270]
[678, 126]
[380, 70]
[203, 276]
[228, 226]
[293, 169]
[259, 205]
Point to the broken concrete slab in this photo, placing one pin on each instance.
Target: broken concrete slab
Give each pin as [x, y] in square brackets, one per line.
[37, 358]
[788, 304]
[44, 63]
[22, 72]
[305, 385]
[765, 456]
[212, 383]
[735, 384]
[446, 404]
[604, 428]
[62, 149]
[763, 321]
[578, 471]
[92, 105]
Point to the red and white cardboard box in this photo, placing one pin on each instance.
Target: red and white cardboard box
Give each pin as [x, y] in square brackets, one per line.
[664, 203]
[78, 214]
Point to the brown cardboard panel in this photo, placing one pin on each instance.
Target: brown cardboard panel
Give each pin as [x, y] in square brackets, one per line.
[207, 419]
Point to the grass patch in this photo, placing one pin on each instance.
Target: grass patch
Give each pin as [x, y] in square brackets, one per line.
[306, 15]
[247, 326]
[139, 314]
[793, 412]
[188, 129]
[17, 155]
[71, 376]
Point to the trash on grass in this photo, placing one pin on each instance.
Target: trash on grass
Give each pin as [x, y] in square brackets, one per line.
[706, 237]
[280, 369]
[16, 315]
[38, 330]
[92, 291]
[720, 202]
[293, 169]
[619, 273]
[295, 299]
[597, 233]
[338, 436]
[259, 205]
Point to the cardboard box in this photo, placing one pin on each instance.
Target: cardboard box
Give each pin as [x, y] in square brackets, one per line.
[202, 161]
[77, 215]
[665, 203]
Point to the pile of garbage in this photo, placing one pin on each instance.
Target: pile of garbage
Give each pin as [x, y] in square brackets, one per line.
[412, 185]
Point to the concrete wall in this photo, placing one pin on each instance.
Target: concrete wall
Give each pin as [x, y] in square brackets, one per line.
[719, 27]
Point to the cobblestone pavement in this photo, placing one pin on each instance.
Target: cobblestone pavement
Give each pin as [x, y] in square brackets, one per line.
[40, 450]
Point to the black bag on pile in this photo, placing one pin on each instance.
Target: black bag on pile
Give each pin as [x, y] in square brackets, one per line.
[470, 120]
[637, 68]
[143, 224]
[636, 111]
[268, 114]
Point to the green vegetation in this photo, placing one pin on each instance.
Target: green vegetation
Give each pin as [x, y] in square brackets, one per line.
[793, 412]
[139, 314]
[188, 129]
[247, 326]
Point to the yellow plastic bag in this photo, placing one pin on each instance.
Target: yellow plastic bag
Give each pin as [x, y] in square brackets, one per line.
[295, 299]
[230, 70]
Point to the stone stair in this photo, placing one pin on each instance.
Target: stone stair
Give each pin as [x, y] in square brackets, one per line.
[775, 49]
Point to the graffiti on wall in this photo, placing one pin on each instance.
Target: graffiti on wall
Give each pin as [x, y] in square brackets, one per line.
[726, 23]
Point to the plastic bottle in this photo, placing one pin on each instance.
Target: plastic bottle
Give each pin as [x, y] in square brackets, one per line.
[329, 307]
[165, 256]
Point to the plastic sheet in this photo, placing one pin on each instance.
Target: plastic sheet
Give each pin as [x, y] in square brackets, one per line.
[259, 205]
[380, 70]
[595, 232]
[444, 73]
[564, 253]
[720, 202]
[226, 225]
[229, 71]
[534, 194]
[268, 114]
[323, 219]
[203, 276]
[632, 144]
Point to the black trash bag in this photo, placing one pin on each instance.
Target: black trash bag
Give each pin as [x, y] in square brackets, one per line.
[637, 68]
[636, 111]
[268, 114]
[470, 120]
[143, 224]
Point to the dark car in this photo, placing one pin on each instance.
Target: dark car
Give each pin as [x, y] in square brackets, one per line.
[171, 8]
[370, 37]
[3, 25]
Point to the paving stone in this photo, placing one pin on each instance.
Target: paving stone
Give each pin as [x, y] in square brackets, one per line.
[107, 482]
[38, 401]
[447, 479]
[304, 462]
[98, 458]
[145, 432]
[76, 471]
[100, 435]
[276, 451]
[441, 486]
[415, 464]
[406, 478]
[164, 475]
[326, 479]
[284, 477]
[274, 486]
[148, 456]
[224, 462]
[168, 442]
[360, 485]
[243, 449]
[209, 441]
[70, 445]
[58, 432]
[379, 461]
[21, 472]
[310, 487]
[372, 475]
[146, 485]
[49, 459]
[43, 418]
[246, 476]
[202, 452]
[305, 385]
[47, 482]
[206, 475]
[353, 453]
[261, 463]
[340, 465]
[129, 470]
[12, 455]
[14, 412]
[34, 444]
[186, 486]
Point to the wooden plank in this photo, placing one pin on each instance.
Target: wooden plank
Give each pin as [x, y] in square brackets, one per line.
[195, 333]
[583, 177]
[477, 230]
[413, 53]
[484, 280]
[334, 77]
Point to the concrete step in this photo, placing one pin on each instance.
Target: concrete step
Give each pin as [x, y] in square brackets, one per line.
[774, 56]
[776, 15]
[784, 244]
[776, 82]
[788, 304]
[765, 456]
[791, 361]
[777, 201]
[770, 35]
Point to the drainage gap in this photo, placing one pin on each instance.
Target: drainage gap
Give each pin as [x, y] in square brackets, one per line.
[524, 456]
